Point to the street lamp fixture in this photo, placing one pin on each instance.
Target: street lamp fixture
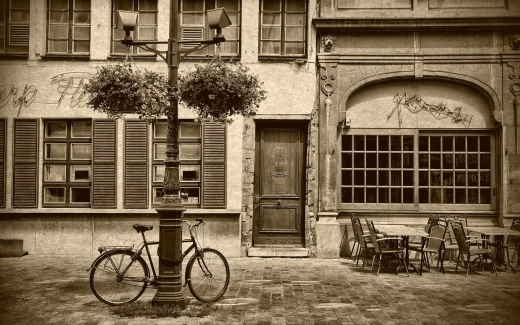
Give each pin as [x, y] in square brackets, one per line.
[169, 285]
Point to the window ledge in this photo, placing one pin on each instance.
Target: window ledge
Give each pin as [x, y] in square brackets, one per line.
[63, 57]
[14, 56]
[207, 58]
[137, 58]
[277, 59]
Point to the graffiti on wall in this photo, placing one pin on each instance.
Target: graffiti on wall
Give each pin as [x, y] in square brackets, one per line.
[70, 88]
[415, 104]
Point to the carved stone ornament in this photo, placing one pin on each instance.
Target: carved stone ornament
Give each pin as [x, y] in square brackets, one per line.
[514, 42]
[328, 42]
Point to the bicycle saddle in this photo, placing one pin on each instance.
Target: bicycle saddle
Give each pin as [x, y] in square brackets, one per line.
[142, 228]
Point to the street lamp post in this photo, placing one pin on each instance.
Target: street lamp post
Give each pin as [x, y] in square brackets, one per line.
[169, 285]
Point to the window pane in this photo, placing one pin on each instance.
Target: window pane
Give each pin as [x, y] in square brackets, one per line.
[189, 151]
[447, 161]
[423, 160]
[272, 19]
[271, 33]
[272, 5]
[20, 4]
[359, 160]
[147, 18]
[460, 161]
[359, 195]
[80, 195]
[147, 4]
[383, 160]
[81, 47]
[58, 31]
[395, 143]
[472, 196]
[58, 17]
[295, 5]
[2, 44]
[384, 194]
[435, 195]
[56, 129]
[408, 160]
[295, 19]
[485, 196]
[147, 33]
[229, 47]
[395, 178]
[423, 195]
[59, 4]
[82, 17]
[81, 151]
[346, 160]
[447, 178]
[395, 195]
[383, 177]
[294, 34]
[192, 19]
[423, 143]
[161, 129]
[435, 143]
[371, 177]
[157, 195]
[359, 177]
[396, 160]
[435, 160]
[20, 16]
[346, 142]
[408, 195]
[346, 195]
[189, 173]
[485, 179]
[447, 196]
[485, 144]
[485, 161]
[460, 144]
[460, 179]
[423, 178]
[371, 195]
[460, 196]
[230, 34]
[81, 129]
[80, 173]
[294, 48]
[473, 179]
[447, 143]
[54, 195]
[472, 161]
[372, 160]
[158, 173]
[160, 151]
[230, 5]
[435, 178]
[473, 144]
[56, 151]
[189, 130]
[55, 173]
[407, 143]
[408, 178]
[192, 5]
[82, 4]
[346, 177]
[271, 47]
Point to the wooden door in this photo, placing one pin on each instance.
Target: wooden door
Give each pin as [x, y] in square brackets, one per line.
[279, 185]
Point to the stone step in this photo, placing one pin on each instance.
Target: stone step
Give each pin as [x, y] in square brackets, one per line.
[277, 252]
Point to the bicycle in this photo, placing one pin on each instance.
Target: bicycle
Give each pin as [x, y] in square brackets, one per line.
[120, 275]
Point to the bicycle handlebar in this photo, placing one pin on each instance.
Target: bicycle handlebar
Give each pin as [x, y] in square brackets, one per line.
[200, 221]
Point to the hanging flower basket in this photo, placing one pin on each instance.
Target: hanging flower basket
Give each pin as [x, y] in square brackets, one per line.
[218, 91]
[123, 89]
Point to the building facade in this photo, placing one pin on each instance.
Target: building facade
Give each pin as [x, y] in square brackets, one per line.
[391, 109]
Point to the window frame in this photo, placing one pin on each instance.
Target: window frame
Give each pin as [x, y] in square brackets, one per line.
[67, 184]
[135, 51]
[186, 186]
[416, 205]
[23, 27]
[283, 29]
[191, 30]
[71, 25]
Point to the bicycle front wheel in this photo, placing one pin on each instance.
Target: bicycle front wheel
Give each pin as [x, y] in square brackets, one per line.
[111, 286]
[207, 275]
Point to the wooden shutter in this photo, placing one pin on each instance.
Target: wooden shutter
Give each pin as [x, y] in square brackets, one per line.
[3, 127]
[136, 165]
[214, 166]
[104, 187]
[25, 163]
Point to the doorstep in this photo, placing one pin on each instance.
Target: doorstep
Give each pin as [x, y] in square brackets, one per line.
[277, 252]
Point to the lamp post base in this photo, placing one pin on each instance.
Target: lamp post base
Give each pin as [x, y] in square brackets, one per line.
[169, 287]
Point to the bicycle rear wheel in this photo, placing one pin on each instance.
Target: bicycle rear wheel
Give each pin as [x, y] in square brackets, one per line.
[207, 275]
[109, 286]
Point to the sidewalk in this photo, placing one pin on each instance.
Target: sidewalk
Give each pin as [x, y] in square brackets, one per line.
[55, 290]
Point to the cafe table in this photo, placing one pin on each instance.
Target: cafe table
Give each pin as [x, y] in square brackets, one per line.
[498, 233]
[405, 232]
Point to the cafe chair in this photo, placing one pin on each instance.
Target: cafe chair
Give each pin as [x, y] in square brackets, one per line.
[433, 244]
[364, 241]
[473, 240]
[380, 251]
[466, 250]
[513, 242]
[416, 241]
[352, 216]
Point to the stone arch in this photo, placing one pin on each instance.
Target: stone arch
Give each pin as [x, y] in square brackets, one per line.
[489, 93]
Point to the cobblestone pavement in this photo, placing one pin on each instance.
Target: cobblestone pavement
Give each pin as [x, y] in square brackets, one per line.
[55, 290]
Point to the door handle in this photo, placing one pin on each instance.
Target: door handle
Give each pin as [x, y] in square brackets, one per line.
[279, 202]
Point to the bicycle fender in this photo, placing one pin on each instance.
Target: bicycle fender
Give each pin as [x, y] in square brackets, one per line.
[103, 255]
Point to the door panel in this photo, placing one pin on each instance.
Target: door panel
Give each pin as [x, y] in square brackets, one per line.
[279, 171]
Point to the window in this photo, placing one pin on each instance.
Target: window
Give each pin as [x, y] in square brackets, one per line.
[420, 170]
[146, 29]
[194, 26]
[190, 156]
[283, 27]
[67, 167]
[14, 26]
[68, 30]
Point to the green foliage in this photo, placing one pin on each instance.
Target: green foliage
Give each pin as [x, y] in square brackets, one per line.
[146, 309]
[217, 91]
[118, 89]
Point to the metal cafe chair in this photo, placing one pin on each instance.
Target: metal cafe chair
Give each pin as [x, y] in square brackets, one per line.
[513, 242]
[466, 249]
[433, 244]
[380, 251]
[354, 230]
[364, 241]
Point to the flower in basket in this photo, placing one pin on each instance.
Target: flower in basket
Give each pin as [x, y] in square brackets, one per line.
[122, 89]
[217, 91]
